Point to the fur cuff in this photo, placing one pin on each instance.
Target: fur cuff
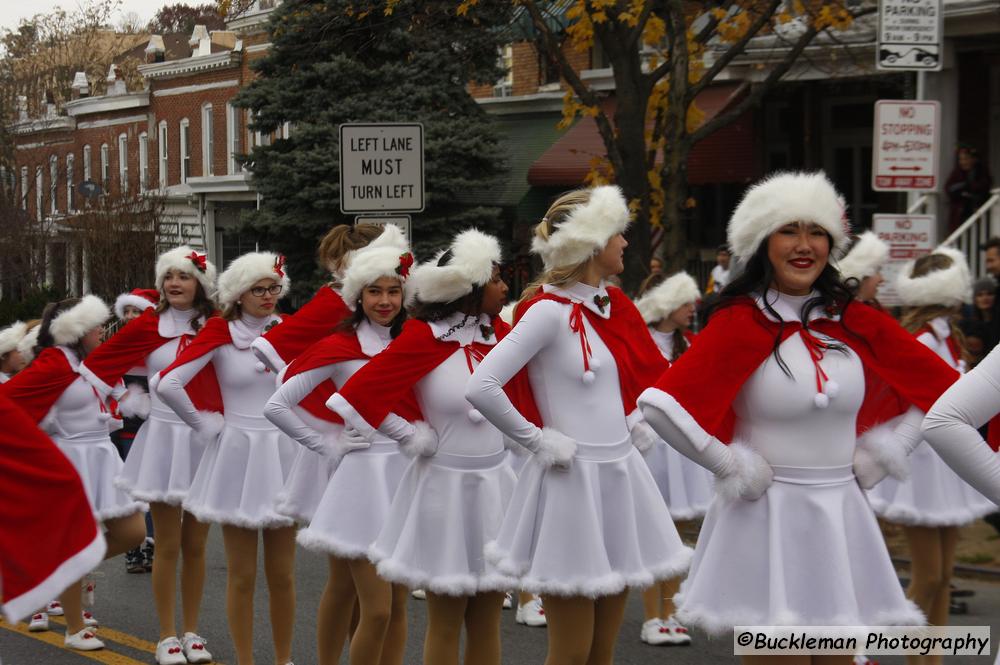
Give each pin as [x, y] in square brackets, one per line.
[135, 403]
[555, 448]
[750, 475]
[643, 436]
[423, 441]
[212, 423]
[880, 454]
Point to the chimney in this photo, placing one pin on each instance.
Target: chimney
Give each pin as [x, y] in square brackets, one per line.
[155, 50]
[199, 33]
[22, 108]
[224, 38]
[80, 87]
[116, 86]
[48, 105]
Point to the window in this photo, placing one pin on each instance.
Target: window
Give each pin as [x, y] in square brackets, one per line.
[286, 129]
[24, 188]
[232, 137]
[505, 86]
[185, 144]
[207, 146]
[39, 184]
[105, 167]
[162, 147]
[86, 162]
[143, 161]
[70, 198]
[123, 162]
[53, 184]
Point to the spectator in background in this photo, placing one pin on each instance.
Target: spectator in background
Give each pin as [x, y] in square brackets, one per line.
[720, 273]
[968, 185]
[983, 300]
[976, 335]
[992, 249]
[656, 266]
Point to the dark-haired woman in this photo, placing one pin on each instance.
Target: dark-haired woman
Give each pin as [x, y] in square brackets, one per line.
[164, 456]
[587, 520]
[667, 306]
[780, 373]
[356, 500]
[246, 459]
[77, 418]
[452, 497]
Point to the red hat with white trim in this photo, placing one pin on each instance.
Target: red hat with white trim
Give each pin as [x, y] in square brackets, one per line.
[141, 299]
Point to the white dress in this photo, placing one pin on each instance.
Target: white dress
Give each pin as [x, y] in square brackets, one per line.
[933, 495]
[246, 465]
[78, 423]
[600, 525]
[163, 458]
[354, 503]
[809, 551]
[450, 503]
[308, 476]
[685, 485]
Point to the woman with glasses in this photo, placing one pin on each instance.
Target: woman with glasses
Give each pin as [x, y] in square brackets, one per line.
[246, 459]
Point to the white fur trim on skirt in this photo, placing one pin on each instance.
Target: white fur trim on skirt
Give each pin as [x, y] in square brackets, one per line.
[809, 552]
[304, 487]
[94, 457]
[445, 510]
[685, 485]
[162, 460]
[590, 530]
[933, 495]
[356, 502]
[241, 473]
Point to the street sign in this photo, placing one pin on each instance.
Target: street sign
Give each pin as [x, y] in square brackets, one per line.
[402, 221]
[907, 142]
[910, 35]
[381, 167]
[909, 237]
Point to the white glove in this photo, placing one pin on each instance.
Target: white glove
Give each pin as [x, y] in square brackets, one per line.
[643, 436]
[423, 441]
[879, 454]
[211, 425]
[553, 448]
[135, 402]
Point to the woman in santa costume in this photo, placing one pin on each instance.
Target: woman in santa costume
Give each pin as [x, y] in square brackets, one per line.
[164, 455]
[11, 361]
[452, 496]
[934, 501]
[667, 306]
[364, 480]
[246, 459]
[861, 268]
[780, 372]
[77, 418]
[588, 356]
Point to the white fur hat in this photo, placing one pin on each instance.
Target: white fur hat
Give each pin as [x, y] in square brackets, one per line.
[949, 287]
[72, 324]
[141, 299]
[187, 260]
[27, 344]
[661, 301]
[11, 335]
[586, 229]
[783, 198]
[866, 257]
[473, 254]
[387, 256]
[247, 270]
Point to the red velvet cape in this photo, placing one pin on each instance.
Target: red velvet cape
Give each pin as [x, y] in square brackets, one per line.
[109, 362]
[48, 536]
[37, 387]
[213, 334]
[382, 386]
[738, 339]
[312, 322]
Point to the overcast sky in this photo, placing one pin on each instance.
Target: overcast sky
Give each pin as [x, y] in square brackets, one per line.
[12, 11]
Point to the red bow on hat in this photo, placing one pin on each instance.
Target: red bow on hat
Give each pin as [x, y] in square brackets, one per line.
[199, 261]
[405, 263]
[279, 265]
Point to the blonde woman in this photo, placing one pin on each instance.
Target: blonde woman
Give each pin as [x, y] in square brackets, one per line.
[588, 355]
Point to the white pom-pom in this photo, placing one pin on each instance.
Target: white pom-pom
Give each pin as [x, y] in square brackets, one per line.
[821, 400]
[595, 363]
[832, 389]
[588, 377]
[103, 416]
[260, 367]
[475, 416]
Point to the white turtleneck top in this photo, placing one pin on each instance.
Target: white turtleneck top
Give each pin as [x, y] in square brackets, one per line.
[283, 410]
[245, 387]
[77, 415]
[543, 341]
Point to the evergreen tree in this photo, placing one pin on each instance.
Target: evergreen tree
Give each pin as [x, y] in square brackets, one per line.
[332, 62]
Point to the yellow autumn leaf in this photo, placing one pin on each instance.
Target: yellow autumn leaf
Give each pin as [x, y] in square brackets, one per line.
[655, 31]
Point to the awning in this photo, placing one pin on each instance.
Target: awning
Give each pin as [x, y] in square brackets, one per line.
[725, 156]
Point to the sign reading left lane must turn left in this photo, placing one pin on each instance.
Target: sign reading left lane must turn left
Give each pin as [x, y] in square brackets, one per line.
[381, 167]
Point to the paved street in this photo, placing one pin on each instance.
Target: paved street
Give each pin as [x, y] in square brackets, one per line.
[124, 606]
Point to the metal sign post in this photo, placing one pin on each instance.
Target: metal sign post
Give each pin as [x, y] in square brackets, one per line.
[910, 35]
[402, 221]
